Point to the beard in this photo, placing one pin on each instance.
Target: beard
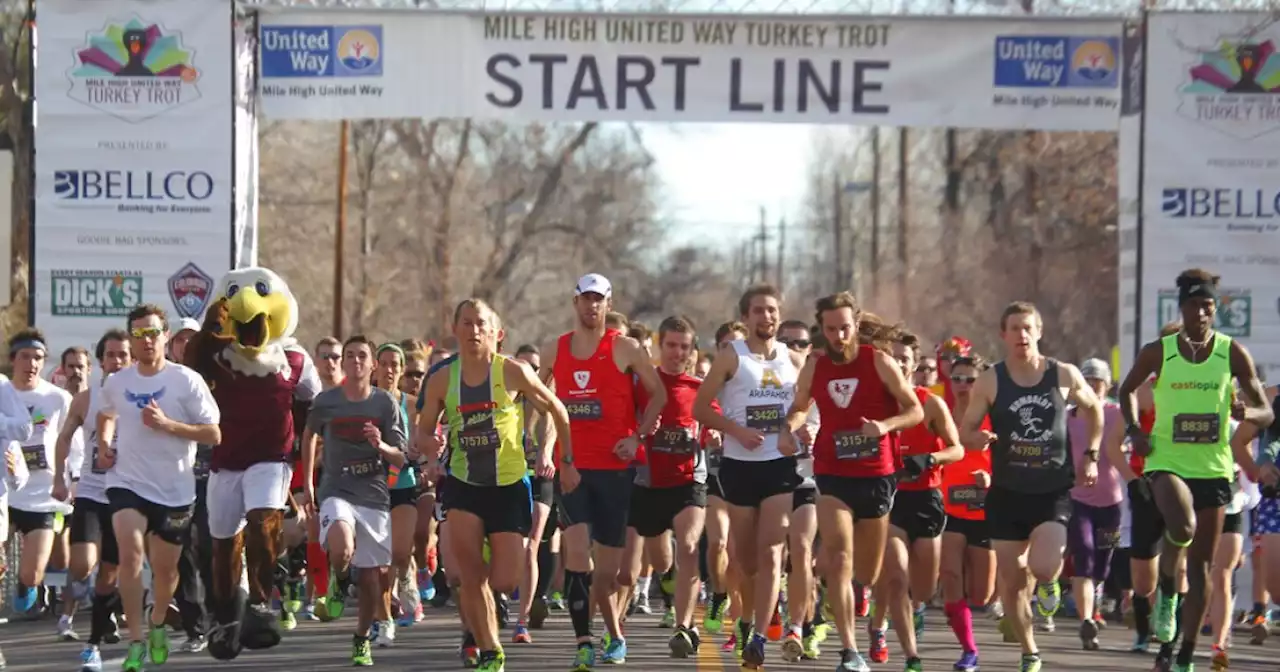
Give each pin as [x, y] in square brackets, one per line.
[766, 333]
[843, 352]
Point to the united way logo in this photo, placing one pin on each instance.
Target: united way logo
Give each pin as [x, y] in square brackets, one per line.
[1233, 89]
[134, 71]
[189, 289]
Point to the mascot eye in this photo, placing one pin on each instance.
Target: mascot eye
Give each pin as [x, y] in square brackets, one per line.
[263, 288]
[231, 290]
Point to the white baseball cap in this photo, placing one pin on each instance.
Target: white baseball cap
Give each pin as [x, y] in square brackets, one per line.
[1096, 369]
[186, 324]
[593, 283]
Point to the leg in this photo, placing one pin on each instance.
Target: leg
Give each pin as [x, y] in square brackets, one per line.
[130, 526]
[892, 586]
[1208, 529]
[404, 526]
[530, 573]
[688, 530]
[1224, 562]
[263, 542]
[1011, 563]
[835, 526]
[800, 585]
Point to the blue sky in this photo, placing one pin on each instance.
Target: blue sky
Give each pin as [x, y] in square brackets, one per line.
[716, 177]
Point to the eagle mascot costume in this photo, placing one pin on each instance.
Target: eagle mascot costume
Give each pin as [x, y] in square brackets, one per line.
[263, 383]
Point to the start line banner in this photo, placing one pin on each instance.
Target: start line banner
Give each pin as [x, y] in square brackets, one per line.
[919, 72]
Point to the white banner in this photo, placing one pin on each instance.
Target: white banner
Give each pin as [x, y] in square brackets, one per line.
[134, 165]
[1043, 74]
[1211, 190]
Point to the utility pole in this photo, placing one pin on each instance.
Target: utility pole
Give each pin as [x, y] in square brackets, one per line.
[782, 246]
[340, 236]
[903, 223]
[760, 244]
[875, 211]
[837, 227]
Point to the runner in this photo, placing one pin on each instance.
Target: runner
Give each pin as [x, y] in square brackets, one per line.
[489, 496]
[193, 582]
[363, 434]
[671, 492]
[755, 382]
[93, 541]
[328, 363]
[33, 511]
[801, 640]
[152, 415]
[721, 572]
[424, 538]
[968, 569]
[539, 565]
[1227, 557]
[72, 375]
[916, 521]
[1093, 533]
[15, 427]
[1188, 456]
[1029, 501]
[403, 484]
[593, 370]
[863, 400]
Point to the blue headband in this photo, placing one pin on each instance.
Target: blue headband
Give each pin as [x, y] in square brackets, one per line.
[31, 343]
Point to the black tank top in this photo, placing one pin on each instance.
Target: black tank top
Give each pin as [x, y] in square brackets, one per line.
[1031, 453]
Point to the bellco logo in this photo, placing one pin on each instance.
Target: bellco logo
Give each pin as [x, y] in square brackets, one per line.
[132, 185]
[1220, 203]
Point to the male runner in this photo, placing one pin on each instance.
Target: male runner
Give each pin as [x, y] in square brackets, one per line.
[71, 375]
[15, 426]
[363, 434]
[539, 562]
[863, 399]
[403, 484]
[93, 541]
[328, 365]
[33, 511]
[489, 494]
[152, 415]
[917, 519]
[719, 569]
[593, 368]
[1032, 468]
[671, 491]
[1189, 463]
[755, 381]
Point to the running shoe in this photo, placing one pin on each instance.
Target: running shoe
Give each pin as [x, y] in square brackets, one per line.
[1218, 661]
[1089, 635]
[585, 658]
[91, 659]
[470, 656]
[386, 634]
[1048, 598]
[557, 601]
[753, 652]
[158, 644]
[24, 599]
[335, 600]
[426, 587]
[136, 656]
[774, 631]
[792, 646]
[287, 620]
[879, 652]
[66, 631]
[194, 644]
[862, 601]
[1163, 625]
[714, 619]
[1140, 643]
[810, 650]
[1030, 663]
[668, 618]
[361, 652]
[1259, 628]
[852, 661]
[492, 661]
[914, 665]
[730, 644]
[684, 642]
[967, 663]
[521, 635]
[538, 612]
[917, 621]
[615, 653]
[294, 595]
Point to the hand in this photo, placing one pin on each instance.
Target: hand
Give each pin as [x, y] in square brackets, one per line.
[749, 438]
[411, 451]
[1087, 474]
[874, 428]
[805, 435]
[1269, 474]
[153, 417]
[988, 437]
[302, 516]
[544, 468]
[372, 434]
[1140, 443]
[106, 458]
[11, 460]
[569, 478]
[715, 441]
[914, 465]
[60, 490]
[1237, 410]
[982, 479]
[626, 448]
[432, 470]
[307, 501]
[787, 443]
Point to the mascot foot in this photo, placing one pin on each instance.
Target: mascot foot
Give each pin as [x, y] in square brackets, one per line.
[261, 630]
[224, 636]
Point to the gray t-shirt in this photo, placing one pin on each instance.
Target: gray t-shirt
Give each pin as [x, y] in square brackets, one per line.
[353, 469]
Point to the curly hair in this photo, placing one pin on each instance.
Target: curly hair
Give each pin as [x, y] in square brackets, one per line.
[204, 346]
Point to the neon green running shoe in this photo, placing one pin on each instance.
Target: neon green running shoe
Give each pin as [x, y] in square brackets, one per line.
[158, 644]
[137, 656]
[361, 652]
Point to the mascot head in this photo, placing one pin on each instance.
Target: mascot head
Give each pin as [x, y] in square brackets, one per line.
[260, 310]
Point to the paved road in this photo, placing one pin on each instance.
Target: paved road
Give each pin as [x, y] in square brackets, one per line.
[431, 645]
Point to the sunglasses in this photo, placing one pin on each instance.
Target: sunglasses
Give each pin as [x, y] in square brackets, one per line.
[332, 356]
[925, 369]
[798, 343]
[148, 332]
[963, 379]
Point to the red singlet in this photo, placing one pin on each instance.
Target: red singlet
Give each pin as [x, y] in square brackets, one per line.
[961, 496]
[600, 400]
[673, 449]
[845, 394]
[920, 440]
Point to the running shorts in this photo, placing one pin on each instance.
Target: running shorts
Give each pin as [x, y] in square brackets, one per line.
[748, 484]
[1011, 515]
[91, 524]
[974, 531]
[601, 501]
[919, 513]
[654, 510]
[26, 522]
[171, 524]
[804, 497]
[501, 508]
[1266, 517]
[868, 498]
[404, 497]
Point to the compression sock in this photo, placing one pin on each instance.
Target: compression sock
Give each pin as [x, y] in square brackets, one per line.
[546, 567]
[577, 588]
[1142, 616]
[961, 620]
[100, 613]
[1177, 615]
[318, 567]
[1166, 585]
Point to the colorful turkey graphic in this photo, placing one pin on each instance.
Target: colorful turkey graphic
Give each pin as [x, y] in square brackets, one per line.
[1237, 68]
[38, 418]
[134, 71]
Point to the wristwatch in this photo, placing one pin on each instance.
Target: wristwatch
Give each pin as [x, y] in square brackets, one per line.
[567, 460]
[1092, 455]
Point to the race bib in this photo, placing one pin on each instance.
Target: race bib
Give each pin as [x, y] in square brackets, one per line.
[1197, 428]
[367, 467]
[93, 464]
[969, 496]
[35, 458]
[765, 418]
[1106, 540]
[853, 445]
[1028, 456]
[584, 409]
[479, 440]
[713, 460]
[204, 456]
[674, 441]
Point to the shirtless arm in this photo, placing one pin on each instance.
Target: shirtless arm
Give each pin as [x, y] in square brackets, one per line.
[938, 416]
[74, 420]
[631, 356]
[522, 380]
[910, 413]
[1087, 404]
[429, 447]
[1145, 365]
[984, 393]
[803, 398]
[722, 368]
[1256, 409]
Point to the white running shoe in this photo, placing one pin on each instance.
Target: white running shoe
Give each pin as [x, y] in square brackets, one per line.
[386, 637]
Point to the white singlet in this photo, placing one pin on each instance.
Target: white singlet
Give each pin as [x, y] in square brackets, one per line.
[758, 395]
[93, 481]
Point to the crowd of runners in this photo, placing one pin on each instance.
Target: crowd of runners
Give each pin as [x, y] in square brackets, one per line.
[772, 482]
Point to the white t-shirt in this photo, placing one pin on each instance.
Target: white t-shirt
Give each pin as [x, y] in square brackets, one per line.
[15, 421]
[759, 393]
[152, 464]
[48, 405]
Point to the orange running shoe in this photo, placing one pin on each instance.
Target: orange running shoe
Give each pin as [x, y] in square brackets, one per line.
[774, 631]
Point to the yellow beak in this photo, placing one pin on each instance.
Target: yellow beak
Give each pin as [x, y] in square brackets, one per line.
[243, 310]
